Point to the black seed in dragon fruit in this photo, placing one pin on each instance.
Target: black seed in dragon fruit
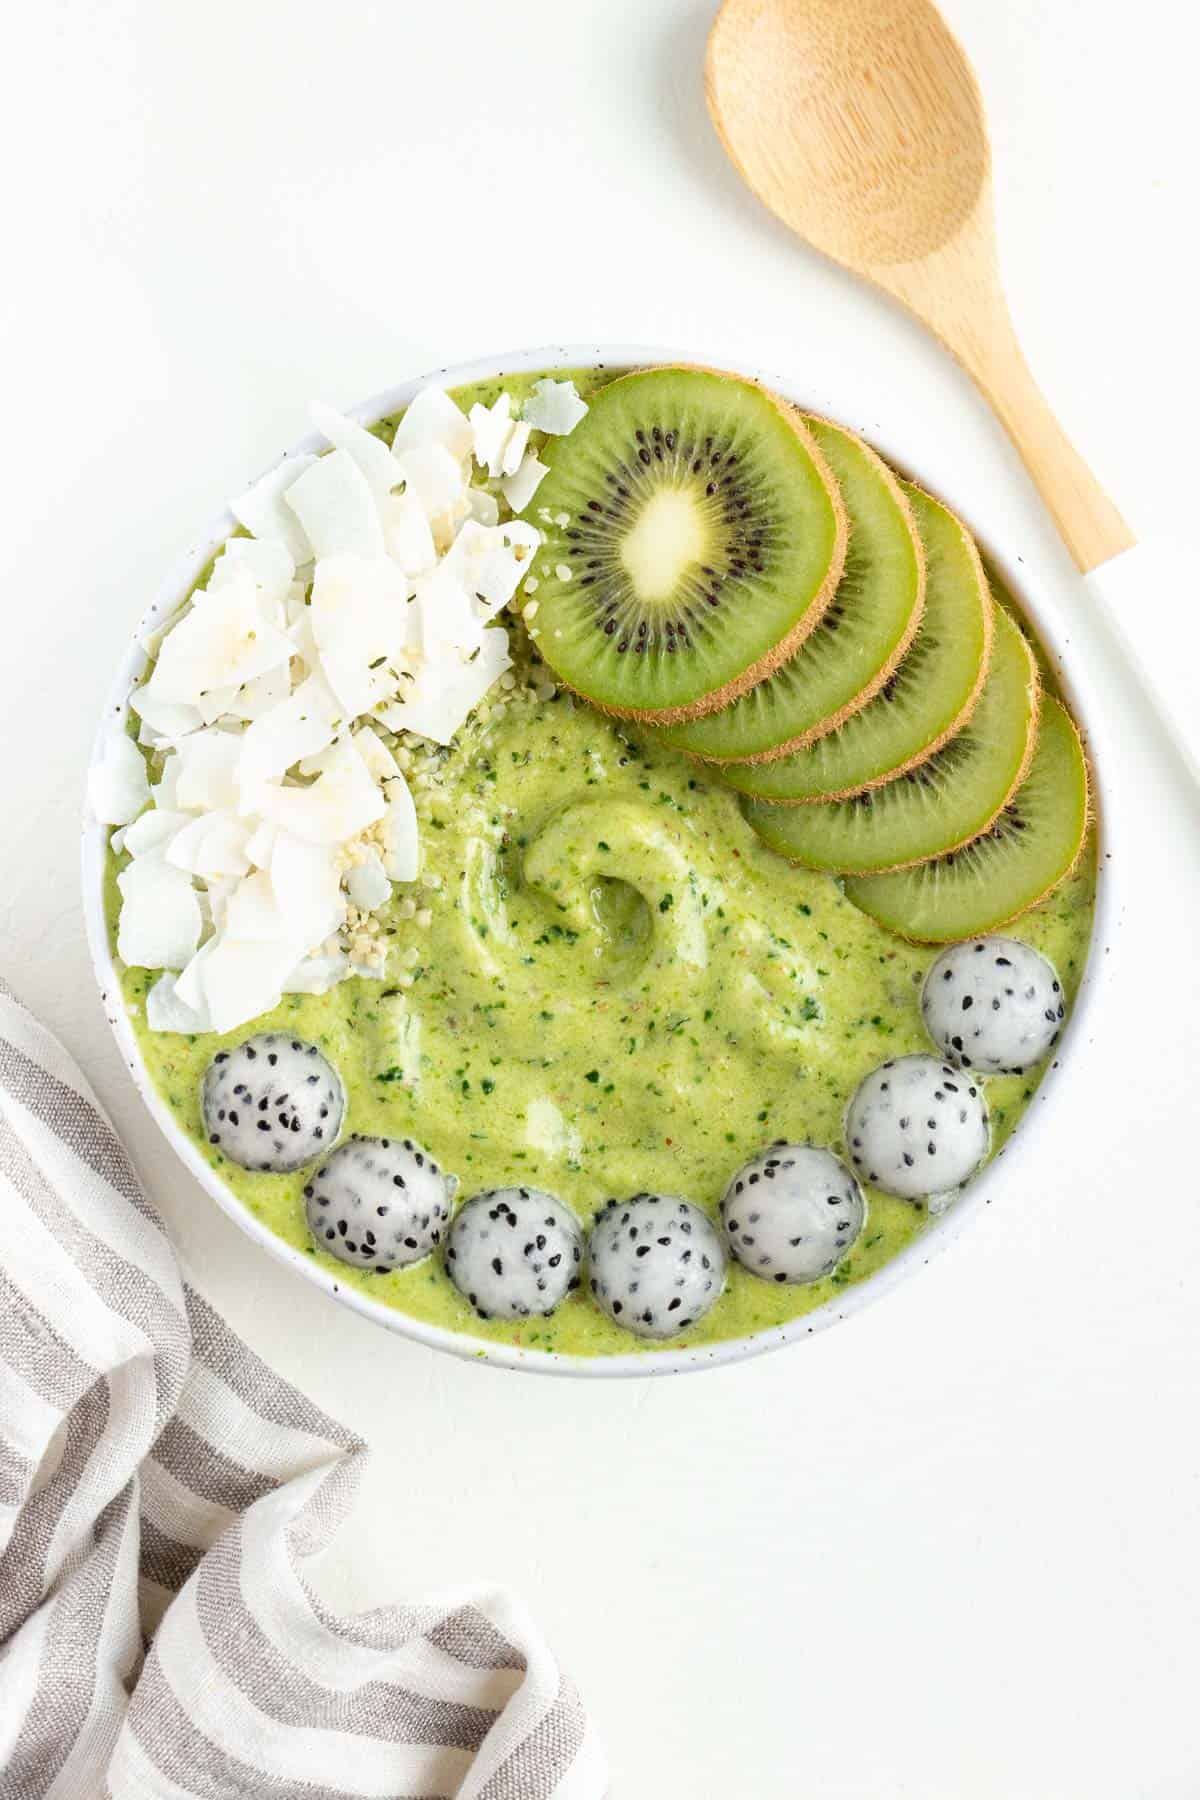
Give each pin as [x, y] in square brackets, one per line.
[657, 1264]
[514, 1253]
[272, 1104]
[993, 1005]
[792, 1212]
[917, 1127]
[379, 1203]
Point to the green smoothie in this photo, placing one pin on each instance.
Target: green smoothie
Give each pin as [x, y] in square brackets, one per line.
[603, 983]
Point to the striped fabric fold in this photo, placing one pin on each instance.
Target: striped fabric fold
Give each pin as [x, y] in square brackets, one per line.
[161, 1490]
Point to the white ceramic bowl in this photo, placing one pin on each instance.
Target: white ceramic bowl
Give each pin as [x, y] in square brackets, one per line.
[932, 463]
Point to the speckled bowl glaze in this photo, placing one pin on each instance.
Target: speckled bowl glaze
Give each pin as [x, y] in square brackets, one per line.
[935, 465]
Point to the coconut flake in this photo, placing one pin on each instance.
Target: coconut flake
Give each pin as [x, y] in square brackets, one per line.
[267, 561]
[318, 762]
[361, 628]
[262, 695]
[369, 971]
[514, 448]
[401, 833]
[216, 703]
[378, 465]
[375, 754]
[262, 844]
[294, 604]
[307, 883]
[483, 506]
[303, 643]
[183, 847]
[450, 618]
[253, 911]
[223, 641]
[205, 771]
[303, 724]
[118, 787]
[217, 895]
[367, 884]
[189, 988]
[490, 560]
[167, 718]
[153, 830]
[491, 429]
[398, 829]
[224, 851]
[152, 635]
[407, 534]
[212, 846]
[334, 504]
[241, 978]
[165, 1011]
[554, 407]
[443, 696]
[262, 509]
[434, 418]
[160, 921]
[317, 974]
[166, 791]
[249, 701]
[339, 805]
[520, 488]
[435, 480]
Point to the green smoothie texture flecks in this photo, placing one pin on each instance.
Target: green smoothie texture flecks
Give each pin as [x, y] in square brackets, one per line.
[618, 988]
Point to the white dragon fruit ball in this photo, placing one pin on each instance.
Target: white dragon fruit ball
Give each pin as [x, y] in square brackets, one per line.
[993, 1004]
[657, 1264]
[917, 1127]
[272, 1104]
[514, 1252]
[792, 1212]
[379, 1203]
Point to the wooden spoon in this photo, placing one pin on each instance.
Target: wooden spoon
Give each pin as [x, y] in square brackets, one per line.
[860, 124]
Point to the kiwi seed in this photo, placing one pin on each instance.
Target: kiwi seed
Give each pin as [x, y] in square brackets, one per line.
[693, 536]
[928, 698]
[1015, 864]
[857, 644]
[943, 802]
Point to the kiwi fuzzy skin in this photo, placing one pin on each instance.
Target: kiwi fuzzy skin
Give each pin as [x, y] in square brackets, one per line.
[913, 862]
[956, 724]
[1035, 686]
[1089, 819]
[787, 645]
[883, 675]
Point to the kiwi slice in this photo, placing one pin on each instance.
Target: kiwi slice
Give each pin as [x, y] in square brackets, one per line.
[1020, 859]
[861, 637]
[943, 802]
[693, 536]
[923, 704]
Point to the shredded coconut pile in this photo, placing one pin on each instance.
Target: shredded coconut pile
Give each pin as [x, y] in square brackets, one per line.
[265, 814]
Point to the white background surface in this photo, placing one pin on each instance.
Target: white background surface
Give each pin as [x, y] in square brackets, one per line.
[948, 1550]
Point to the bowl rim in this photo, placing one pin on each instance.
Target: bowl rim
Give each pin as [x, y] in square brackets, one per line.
[1052, 622]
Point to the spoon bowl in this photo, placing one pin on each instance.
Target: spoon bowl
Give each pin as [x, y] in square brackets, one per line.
[872, 146]
[859, 123]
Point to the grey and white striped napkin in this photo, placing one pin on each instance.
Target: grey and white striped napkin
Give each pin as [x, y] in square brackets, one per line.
[161, 1490]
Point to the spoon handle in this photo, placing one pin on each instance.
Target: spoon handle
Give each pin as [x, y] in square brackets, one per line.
[1089, 523]
[1128, 581]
